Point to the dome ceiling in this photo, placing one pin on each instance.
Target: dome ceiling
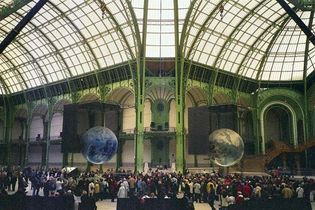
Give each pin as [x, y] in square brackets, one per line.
[252, 39]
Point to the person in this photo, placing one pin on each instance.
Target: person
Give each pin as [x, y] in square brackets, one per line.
[97, 191]
[224, 200]
[286, 192]
[299, 192]
[230, 199]
[221, 9]
[112, 189]
[239, 198]
[68, 200]
[46, 187]
[51, 186]
[20, 197]
[132, 185]
[13, 181]
[36, 184]
[59, 187]
[211, 196]
[91, 188]
[197, 193]
[87, 202]
[257, 191]
[122, 192]
[247, 191]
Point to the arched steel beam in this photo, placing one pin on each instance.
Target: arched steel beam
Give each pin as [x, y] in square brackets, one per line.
[197, 38]
[15, 69]
[267, 51]
[122, 35]
[136, 26]
[54, 49]
[118, 27]
[310, 24]
[19, 73]
[185, 30]
[125, 97]
[192, 98]
[218, 59]
[235, 32]
[94, 58]
[137, 39]
[33, 58]
[251, 49]
[6, 87]
[202, 29]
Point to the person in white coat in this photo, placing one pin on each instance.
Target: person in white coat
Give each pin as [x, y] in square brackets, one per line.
[122, 192]
[91, 188]
[299, 192]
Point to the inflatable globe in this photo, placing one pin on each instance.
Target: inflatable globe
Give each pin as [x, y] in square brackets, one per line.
[226, 147]
[99, 144]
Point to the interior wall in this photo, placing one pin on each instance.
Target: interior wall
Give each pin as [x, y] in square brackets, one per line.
[55, 156]
[128, 154]
[56, 124]
[172, 118]
[147, 151]
[129, 118]
[37, 127]
[16, 130]
[147, 117]
[172, 151]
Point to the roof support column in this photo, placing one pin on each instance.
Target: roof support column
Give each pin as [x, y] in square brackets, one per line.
[306, 54]
[27, 133]
[307, 122]
[140, 94]
[179, 97]
[8, 123]
[47, 128]
[121, 141]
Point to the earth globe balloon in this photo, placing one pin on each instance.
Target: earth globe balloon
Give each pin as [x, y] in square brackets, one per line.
[99, 144]
[226, 147]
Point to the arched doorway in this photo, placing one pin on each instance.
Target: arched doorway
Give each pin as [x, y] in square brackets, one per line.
[278, 123]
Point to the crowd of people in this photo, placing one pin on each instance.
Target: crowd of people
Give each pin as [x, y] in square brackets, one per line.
[90, 187]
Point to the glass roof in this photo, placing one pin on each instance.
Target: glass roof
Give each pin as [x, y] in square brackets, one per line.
[253, 39]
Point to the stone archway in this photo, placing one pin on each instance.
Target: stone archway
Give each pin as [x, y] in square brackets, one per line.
[278, 111]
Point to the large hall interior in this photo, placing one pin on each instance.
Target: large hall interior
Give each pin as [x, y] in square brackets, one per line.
[162, 75]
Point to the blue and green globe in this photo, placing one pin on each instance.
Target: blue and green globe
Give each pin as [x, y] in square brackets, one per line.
[100, 145]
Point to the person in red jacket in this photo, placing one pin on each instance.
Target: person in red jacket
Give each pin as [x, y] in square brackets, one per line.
[112, 189]
[247, 191]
